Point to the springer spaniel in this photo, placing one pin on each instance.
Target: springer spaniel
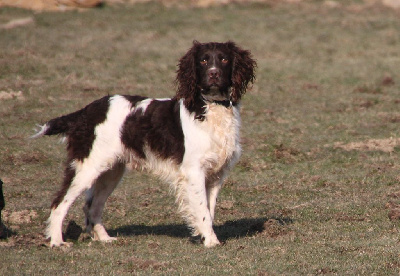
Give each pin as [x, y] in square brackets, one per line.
[190, 140]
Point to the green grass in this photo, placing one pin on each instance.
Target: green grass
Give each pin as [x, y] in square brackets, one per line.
[295, 204]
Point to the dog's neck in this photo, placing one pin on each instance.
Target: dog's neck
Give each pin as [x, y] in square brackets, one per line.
[214, 95]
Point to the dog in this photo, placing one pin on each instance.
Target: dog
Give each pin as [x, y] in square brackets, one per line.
[190, 140]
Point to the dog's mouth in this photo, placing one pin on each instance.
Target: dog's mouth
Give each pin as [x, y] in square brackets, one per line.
[214, 93]
[214, 85]
[214, 81]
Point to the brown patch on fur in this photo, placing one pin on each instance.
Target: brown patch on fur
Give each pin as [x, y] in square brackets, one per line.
[68, 177]
[159, 128]
[243, 71]
[79, 127]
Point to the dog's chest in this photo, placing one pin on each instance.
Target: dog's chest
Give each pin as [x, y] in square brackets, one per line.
[222, 125]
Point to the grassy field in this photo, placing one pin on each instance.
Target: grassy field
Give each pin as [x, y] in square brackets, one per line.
[316, 190]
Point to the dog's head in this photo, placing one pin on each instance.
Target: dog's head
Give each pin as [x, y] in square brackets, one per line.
[215, 72]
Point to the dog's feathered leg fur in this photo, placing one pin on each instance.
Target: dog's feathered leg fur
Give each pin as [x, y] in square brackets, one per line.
[96, 198]
[200, 219]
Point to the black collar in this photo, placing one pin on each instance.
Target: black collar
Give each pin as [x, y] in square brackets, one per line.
[225, 103]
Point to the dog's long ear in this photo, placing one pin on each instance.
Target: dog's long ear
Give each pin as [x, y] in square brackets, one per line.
[243, 71]
[186, 77]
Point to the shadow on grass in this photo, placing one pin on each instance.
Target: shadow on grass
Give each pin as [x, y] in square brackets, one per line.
[5, 232]
[232, 229]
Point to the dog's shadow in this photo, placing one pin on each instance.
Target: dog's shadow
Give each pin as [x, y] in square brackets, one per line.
[232, 229]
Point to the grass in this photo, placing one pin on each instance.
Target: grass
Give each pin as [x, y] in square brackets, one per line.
[295, 203]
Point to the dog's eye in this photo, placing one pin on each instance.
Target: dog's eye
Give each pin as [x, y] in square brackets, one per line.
[224, 61]
[203, 62]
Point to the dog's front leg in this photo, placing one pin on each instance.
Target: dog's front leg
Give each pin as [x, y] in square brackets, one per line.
[200, 217]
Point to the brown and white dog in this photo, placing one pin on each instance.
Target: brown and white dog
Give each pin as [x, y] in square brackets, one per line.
[191, 140]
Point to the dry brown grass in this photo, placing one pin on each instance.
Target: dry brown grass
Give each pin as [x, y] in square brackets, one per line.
[63, 5]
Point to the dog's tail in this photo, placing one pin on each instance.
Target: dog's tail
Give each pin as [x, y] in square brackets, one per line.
[91, 115]
[60, 125]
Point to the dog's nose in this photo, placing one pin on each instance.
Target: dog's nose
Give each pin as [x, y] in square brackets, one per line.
[213, 73]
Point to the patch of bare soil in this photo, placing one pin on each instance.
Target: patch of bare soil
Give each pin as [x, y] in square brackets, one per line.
[14, 23]
[325, 270]
[385, 145]
[274, 228]
[395, 4]
[51, 5]
[226, 205]
[73, 231]
[7, 95]
[393, 207]
[62, 5]
[138, 263]
[33, 239]
[282, 152]
[19, 217]
[351, 218]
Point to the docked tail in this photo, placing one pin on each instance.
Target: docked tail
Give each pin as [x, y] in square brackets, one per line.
[60, 125]
[81, 122]
[40, 131]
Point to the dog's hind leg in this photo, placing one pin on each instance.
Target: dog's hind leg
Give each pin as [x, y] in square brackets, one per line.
[96, 198]
[78, 178]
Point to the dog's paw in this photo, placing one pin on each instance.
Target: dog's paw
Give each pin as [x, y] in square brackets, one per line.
[60, 244]
[211, 241]
[100, 234]
[106, 240]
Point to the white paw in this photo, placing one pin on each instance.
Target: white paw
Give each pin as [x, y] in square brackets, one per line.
[211, 241]
[104, 239]
[59, 244]
[100, 234]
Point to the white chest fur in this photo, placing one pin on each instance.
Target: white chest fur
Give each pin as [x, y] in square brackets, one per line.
[214, 142]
